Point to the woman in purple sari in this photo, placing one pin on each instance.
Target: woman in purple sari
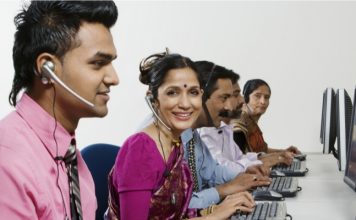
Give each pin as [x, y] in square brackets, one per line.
[150, 178]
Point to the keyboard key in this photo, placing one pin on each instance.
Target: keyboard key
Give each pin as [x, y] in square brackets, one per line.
[288, 183]
[276, 184]
[280, 184]
[273, 210]
[256, 213]
[298, 164]
[264, 211]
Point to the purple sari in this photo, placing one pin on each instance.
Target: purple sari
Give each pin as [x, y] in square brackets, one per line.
[170, 200]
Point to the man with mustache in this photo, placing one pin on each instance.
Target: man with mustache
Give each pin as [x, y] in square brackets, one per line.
[221, 138]
[224, 101]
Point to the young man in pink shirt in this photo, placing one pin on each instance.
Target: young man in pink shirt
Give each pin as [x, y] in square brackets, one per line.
[62, 54]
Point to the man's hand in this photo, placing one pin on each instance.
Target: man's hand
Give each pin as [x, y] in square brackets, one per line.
[258, 169]
[271, 159]
[293, 149]
[241, 183]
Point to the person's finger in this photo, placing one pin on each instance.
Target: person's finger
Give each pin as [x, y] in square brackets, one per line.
[249, 197]
[294, 149]
[260, 183]
[288, 161]
[244, 194]
[244, 209]
[260, 170]
[244, 202]
[291, 154]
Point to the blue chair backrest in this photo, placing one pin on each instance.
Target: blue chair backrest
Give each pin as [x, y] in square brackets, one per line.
[100, 158]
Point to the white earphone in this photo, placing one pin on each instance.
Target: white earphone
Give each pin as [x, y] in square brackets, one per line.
[48, 76]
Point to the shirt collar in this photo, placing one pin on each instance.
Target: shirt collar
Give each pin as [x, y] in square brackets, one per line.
[225, 127]
[44, 125]
[186, 136]
[223, 124]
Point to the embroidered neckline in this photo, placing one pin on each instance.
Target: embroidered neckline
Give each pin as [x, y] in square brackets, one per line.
[191, 164]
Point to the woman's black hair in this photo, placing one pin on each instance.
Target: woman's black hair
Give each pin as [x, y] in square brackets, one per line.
[51, 26]
[210, 73]
[155, 68]
[251, 85]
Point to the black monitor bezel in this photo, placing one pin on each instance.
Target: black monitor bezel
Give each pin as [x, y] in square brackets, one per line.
[342, 102]
[347, 179]
[329, 136]
[323, 115]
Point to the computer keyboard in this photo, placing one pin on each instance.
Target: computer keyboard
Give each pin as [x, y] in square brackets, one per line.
[287, 186]
[264, 211]
[297, 168]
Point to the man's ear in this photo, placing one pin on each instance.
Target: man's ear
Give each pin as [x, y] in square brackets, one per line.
[43, 58]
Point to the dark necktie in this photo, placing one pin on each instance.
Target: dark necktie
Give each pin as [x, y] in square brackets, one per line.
[70, 159]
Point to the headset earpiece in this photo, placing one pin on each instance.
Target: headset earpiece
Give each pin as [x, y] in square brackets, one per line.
[46, 74]
[150, 102]
[245, 89]
[150, 97]
[49, 64]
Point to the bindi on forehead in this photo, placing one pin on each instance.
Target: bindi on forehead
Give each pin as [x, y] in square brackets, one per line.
[185, 85]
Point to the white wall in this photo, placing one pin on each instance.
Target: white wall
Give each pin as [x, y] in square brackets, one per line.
[299, 48]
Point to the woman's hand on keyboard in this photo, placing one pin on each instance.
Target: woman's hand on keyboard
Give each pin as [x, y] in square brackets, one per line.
[242, 202]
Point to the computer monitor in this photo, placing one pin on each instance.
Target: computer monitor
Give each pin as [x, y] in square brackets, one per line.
[323, 110]
[328, 125]
[323, 113]
[350, 171]
[343, 120]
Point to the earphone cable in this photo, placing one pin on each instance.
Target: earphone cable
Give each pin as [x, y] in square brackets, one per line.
[165, 172]
[57, 156]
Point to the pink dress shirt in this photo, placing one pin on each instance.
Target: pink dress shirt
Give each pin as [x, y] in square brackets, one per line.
[222, 146]
[28, 171]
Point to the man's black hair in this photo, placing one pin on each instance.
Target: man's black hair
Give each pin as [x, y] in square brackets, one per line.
[210, 73]
[51, 26]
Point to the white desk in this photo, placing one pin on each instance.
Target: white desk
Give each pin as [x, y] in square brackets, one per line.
[324, 195]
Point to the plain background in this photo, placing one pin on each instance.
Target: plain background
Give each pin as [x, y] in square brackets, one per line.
[299, 48]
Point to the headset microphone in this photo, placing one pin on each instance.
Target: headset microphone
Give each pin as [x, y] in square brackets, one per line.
[148, 99]
[48, 75]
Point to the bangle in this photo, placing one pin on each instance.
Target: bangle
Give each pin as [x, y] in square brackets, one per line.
[203, 212]
[207, 211]
[212, 208]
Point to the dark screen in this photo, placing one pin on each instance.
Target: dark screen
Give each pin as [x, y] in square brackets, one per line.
[351, 172]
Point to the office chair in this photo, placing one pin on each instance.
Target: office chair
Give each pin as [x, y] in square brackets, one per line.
[100, 158]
